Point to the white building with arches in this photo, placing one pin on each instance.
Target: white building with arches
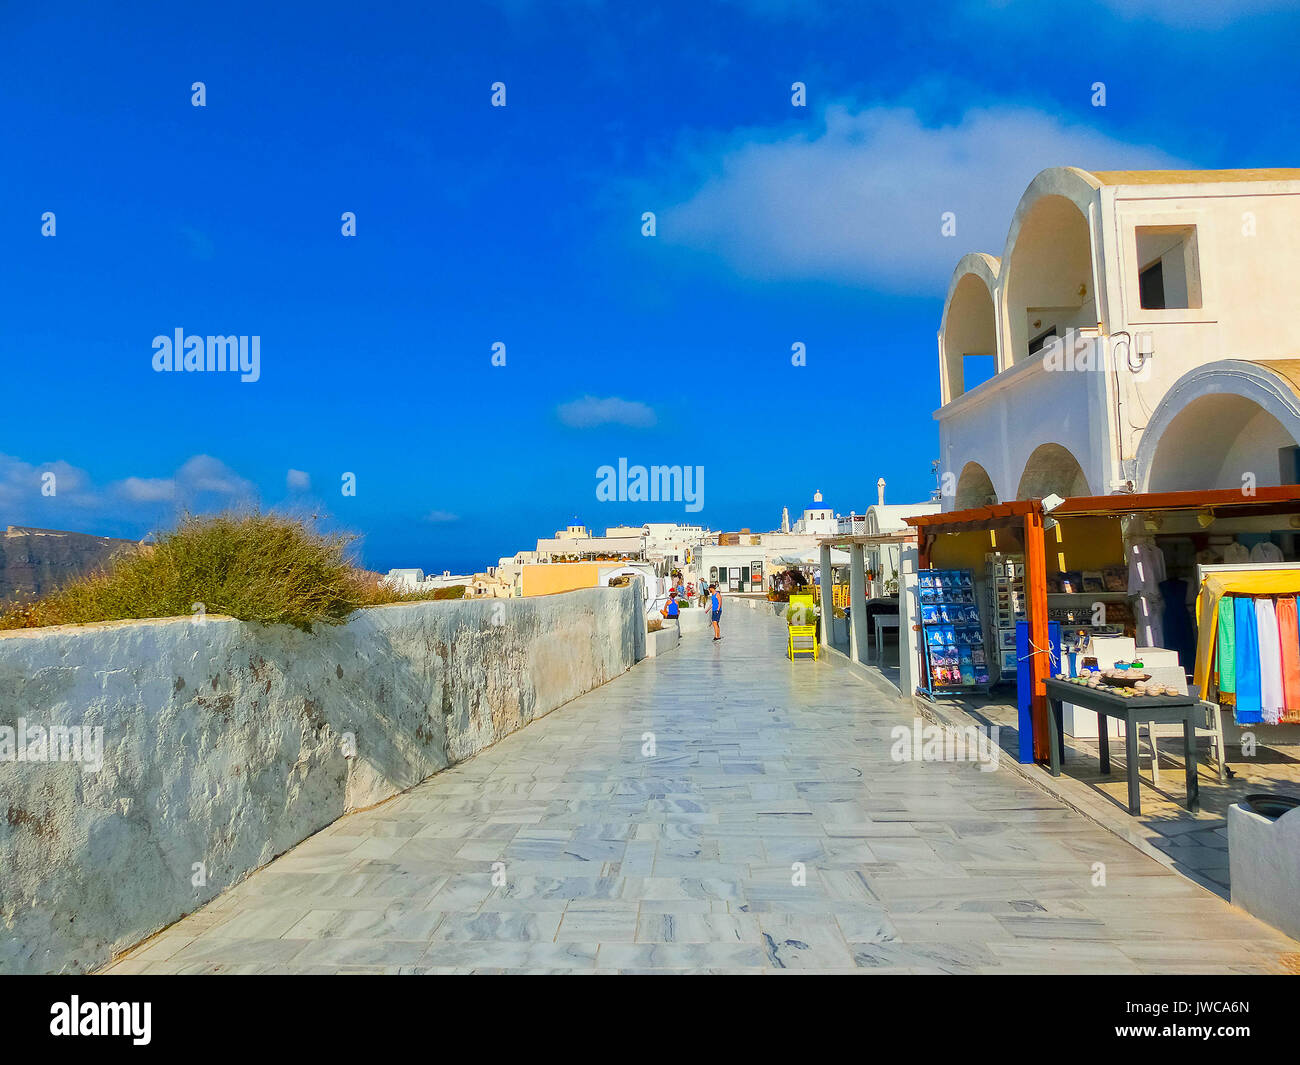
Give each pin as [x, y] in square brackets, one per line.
[1139, 333]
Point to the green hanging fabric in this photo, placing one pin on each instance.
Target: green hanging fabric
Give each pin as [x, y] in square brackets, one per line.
[1227, 651]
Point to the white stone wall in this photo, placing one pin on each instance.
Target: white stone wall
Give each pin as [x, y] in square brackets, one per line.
[1000, 424]
[223, 745]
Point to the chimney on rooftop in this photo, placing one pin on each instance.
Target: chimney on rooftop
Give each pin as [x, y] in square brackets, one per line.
[880, 491]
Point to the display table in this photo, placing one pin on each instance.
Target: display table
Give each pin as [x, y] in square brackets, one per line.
[1107, 650]
[1161, 709]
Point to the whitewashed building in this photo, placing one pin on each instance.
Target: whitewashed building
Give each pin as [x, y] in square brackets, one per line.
[576, 542]
[818, 519]
[415, 580]
[1137, 333]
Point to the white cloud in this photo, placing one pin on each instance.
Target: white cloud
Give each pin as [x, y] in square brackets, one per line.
[202, 480]
[861, 199]
[204, 474]
[441, 517]
[25, 489]
[592, 411]
[297, 481]
[201, 483]
[147, 489]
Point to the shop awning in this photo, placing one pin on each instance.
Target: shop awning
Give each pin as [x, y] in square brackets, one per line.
[897, 536]
[1283, 499]
[1278, 500]
[1243, 582]
[993, 516]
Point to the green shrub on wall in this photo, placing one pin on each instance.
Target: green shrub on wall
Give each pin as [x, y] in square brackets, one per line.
[256, 567]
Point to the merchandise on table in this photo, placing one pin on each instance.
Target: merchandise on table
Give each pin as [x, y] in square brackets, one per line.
[1125, 680]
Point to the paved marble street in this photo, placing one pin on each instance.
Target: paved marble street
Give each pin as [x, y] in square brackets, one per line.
[683, 859]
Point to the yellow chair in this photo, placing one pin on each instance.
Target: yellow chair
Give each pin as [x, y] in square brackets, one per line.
[802, 638]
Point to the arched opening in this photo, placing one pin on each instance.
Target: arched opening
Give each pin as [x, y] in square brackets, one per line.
[1223, 441]
[1049, 276]
[974, 488]
[969, 341]
[1052, 470]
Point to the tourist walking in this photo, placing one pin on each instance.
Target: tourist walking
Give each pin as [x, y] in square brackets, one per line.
[715, 603]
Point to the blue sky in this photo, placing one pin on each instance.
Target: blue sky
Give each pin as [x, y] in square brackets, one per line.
[522, 225]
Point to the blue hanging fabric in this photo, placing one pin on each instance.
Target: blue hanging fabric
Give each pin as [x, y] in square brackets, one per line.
[1250, 710]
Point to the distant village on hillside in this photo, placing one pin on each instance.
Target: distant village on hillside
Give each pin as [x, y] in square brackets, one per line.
[667, 553]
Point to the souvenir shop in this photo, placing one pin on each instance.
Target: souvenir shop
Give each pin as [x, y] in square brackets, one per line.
[1185, 551]
[1100, 582]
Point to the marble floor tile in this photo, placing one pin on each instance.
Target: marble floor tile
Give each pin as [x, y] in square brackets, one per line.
[507, 925]
[697, 928]
[770, 833]
[394, 922]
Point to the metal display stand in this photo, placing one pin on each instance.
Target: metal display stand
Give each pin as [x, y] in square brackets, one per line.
[954, 658]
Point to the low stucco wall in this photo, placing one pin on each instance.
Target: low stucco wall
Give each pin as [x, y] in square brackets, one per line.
[661, 641]
[694, 620]
[223, 744]
[1264, 866]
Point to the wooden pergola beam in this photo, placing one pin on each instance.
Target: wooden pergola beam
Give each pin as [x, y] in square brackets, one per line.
[1039, 663]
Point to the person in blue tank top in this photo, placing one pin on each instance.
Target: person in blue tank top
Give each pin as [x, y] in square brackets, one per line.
[715, 604]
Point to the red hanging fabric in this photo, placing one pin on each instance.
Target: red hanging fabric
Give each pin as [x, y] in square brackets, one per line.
[1290, 639]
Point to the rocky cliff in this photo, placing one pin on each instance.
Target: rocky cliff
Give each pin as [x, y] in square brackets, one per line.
[35, 562]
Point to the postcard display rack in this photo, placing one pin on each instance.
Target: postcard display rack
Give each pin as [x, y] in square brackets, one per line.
[1005, 575]
[955, 660]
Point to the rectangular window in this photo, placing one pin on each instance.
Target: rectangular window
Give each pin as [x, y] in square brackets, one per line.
[1036, 344]
[1289, 460]
[1151, 286]
[1169, 270]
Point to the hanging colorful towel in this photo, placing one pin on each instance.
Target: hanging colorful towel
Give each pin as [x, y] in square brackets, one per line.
[1226, 659]
[1290, 641]
[1270, 660]
[1247, 647]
